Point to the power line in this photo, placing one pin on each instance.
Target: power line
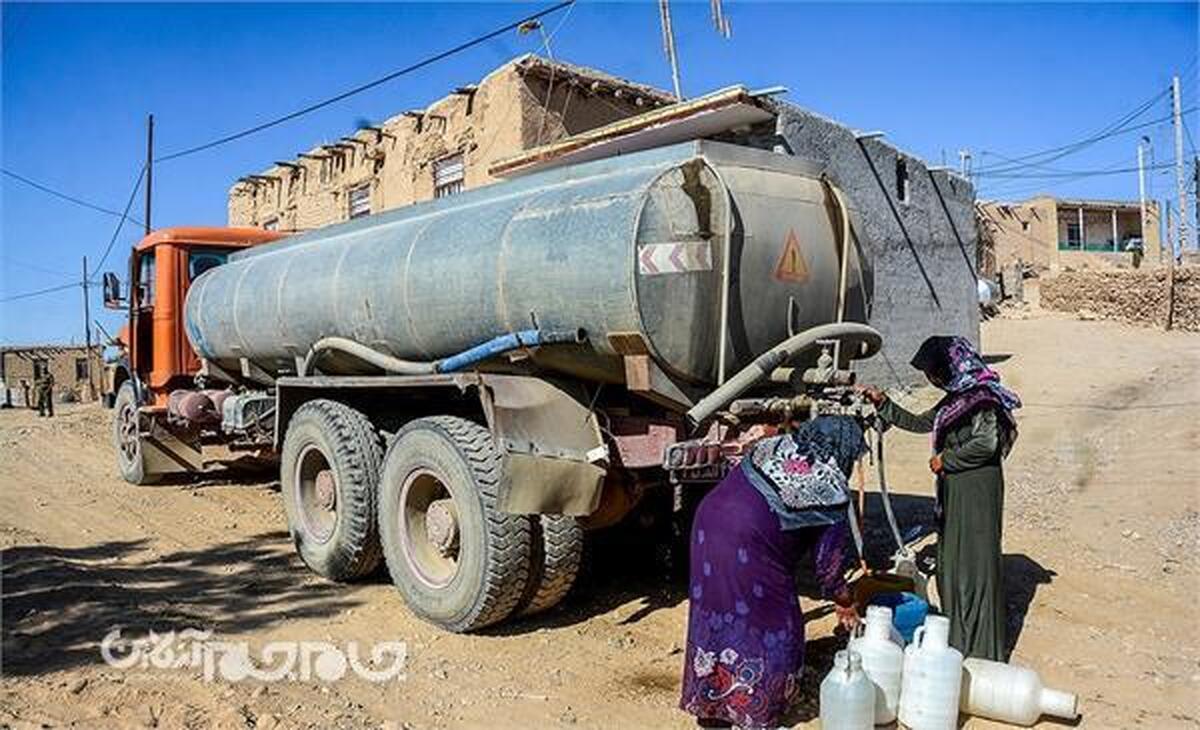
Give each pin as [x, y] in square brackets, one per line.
[364, 87]
[124, 217]
[39, 292]
[1055, 153]
[64, 196]
[107, 249]
[1017, 164]
[1076, 173]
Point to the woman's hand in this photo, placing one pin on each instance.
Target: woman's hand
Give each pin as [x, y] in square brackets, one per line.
[873, 394]
[846, 610]
[935, 464]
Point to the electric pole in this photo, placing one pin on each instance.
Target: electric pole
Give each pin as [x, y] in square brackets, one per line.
[1170, 269]
[87, 333]
[1183, 239]
[664, 10]
[149, 166]
[1142, 192]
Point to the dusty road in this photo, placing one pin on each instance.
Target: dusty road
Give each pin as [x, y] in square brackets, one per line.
[1102, 551]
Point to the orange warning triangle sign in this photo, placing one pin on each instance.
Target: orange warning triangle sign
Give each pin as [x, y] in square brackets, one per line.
[791, 266]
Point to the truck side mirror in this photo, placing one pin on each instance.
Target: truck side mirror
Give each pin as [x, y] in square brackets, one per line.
[112, 291]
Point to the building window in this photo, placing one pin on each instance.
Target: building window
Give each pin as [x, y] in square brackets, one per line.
[359, 201]
[41, 366]
[272, 224]
[1074, 236]
[448, 176]
[901, 180]
[81, 368]
[1024, 225]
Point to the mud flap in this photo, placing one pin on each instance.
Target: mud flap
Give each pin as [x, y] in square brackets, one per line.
[555, 458]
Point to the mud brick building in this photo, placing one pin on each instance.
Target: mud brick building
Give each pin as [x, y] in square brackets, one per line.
[24, 364]
[436, 151]
[1053, 234]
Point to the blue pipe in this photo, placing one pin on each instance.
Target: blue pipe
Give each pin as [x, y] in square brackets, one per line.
[507, 343]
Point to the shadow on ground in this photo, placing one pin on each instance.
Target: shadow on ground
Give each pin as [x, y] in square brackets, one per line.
[59, 603]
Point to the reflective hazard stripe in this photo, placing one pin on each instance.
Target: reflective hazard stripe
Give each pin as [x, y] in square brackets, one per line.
[674, 258]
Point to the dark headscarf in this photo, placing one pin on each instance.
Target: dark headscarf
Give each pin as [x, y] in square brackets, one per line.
[957, 368]
[804, 475]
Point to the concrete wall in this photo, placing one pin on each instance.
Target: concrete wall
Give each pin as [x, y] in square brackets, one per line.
[524, 103]
[904, 309]
[17, 365]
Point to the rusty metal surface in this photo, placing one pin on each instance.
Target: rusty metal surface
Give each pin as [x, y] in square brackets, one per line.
[555, 458]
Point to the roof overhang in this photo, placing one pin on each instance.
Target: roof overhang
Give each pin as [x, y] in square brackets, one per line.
[705, 116]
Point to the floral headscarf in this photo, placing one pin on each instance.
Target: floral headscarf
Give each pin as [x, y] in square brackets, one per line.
[959, 369]
[807, 471]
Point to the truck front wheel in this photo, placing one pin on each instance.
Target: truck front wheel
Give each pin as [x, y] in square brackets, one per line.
[458, 561]
[127, 438]
[329, 478]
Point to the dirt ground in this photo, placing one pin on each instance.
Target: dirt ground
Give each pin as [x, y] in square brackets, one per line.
[1102, 561]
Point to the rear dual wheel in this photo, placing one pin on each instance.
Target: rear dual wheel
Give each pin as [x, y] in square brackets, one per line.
[456, 558]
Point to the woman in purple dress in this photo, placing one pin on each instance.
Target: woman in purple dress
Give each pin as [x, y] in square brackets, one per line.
[745, 646]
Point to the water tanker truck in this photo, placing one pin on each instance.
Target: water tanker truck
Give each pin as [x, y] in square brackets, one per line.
[461, 388]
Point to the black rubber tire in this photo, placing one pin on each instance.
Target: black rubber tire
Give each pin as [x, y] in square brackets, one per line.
[132, 469]
[557, 556]
[352, 448]
[492, 565]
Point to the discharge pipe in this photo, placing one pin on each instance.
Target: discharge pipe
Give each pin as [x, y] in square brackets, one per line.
[781, 354]
[491, 348]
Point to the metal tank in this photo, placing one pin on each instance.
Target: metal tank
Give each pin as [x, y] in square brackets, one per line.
[620, 247]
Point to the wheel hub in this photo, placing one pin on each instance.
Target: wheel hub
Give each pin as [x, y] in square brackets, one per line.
[326, 490]
[441, 525]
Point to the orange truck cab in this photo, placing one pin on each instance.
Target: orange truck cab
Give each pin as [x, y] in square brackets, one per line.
[157, 355]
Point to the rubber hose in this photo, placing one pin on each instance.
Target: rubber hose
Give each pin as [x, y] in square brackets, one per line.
[779, 355]
[885, 497]
[361, 352]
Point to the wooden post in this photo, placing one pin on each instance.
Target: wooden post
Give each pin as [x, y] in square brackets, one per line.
[1116, 238]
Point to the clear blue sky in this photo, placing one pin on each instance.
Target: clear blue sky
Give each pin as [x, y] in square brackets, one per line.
[78, 81]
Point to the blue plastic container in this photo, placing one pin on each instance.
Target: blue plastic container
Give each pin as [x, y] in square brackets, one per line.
[908, 611]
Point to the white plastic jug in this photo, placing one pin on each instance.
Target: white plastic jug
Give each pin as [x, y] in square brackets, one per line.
[932, 678]
[847, 696]
[1011, 694]
[882, 660]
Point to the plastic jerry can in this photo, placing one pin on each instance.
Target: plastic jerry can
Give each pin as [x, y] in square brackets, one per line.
[932, 678]
[908, 611]
[847, 695]
[1011, 694]
[882, 660]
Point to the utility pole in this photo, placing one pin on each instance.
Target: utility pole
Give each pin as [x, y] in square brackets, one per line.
[664, 10]
[1142, 192]
[149, 166]
[87, 333]
[1170, 270]
[1183, 238]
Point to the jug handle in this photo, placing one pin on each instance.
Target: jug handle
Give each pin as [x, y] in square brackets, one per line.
[918, 636]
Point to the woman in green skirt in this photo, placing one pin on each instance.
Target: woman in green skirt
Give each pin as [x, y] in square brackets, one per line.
[973, 430]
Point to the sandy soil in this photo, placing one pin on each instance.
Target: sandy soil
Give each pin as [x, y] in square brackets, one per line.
[1102, 554]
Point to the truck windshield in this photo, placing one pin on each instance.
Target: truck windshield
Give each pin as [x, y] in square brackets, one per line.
[201, 260]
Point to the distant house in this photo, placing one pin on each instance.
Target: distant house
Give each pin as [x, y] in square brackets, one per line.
[1054, 233]
[22, 365]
